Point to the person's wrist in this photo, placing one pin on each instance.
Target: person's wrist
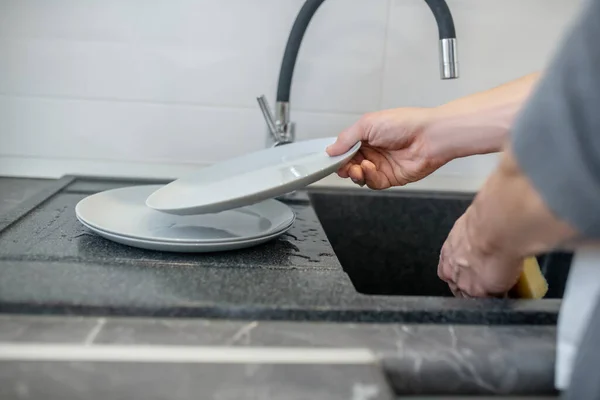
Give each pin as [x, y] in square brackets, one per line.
[455, 132]
[428, 124]
[484, 234]
[510, 217]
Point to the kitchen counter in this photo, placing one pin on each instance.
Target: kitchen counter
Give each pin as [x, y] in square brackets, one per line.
[15, 191]
[261, 297]
[381, 358]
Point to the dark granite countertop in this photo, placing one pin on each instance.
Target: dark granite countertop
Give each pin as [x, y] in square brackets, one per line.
[50, 264]
[398, 359]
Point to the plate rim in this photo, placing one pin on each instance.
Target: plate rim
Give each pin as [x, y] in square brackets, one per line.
[291, 220]
[194, 245]
[240, 201]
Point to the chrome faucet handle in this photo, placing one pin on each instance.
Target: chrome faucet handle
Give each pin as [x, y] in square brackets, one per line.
[280, 128]
[270, 120]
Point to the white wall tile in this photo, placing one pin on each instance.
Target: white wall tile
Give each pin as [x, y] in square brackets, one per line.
[111, 130]
[311, 125]
[66, 19]
[56, 167]
[223, 52]
[341, 58]
[121, 71]
[207, 52]
[497, 41]
[155, 87]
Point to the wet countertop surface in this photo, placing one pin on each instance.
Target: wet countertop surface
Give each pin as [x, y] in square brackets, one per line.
[265, 296]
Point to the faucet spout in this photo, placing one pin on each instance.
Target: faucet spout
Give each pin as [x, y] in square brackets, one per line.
[447, 35]
[448, 59]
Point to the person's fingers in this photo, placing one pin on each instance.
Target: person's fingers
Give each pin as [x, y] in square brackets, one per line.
[470, 288]
[358, 157]
[466, 280]
[373, 178]
[356, 160]
[454, 289]
[347, 139]
[442, 261]
[356, 174]
[465, 295]
[343, 171]
[449, 273]
[445, 273]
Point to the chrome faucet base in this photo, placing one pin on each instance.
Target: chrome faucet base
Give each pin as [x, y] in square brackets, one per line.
[282, 120]
[280, 128]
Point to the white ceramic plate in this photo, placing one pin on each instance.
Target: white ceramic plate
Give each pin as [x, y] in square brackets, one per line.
[185, 247]
[123, 212]
[250, 178]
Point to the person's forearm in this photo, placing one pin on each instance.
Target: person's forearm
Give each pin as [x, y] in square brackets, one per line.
[509, 216]
[479, 123]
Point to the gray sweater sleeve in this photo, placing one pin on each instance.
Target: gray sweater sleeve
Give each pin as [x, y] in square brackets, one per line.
[556, 138]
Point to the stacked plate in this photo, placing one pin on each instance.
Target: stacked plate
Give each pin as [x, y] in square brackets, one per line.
[223, 207]
[119, 215]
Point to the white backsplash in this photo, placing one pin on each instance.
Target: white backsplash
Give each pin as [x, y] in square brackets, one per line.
[158, 88]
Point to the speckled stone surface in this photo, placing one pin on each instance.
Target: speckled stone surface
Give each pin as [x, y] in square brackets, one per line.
[14, 191]
[384, 257]
[53, 233]
[389, 242]
[50, 263]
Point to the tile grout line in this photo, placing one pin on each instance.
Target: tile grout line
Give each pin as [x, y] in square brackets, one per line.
[167, 103]
[107, 160]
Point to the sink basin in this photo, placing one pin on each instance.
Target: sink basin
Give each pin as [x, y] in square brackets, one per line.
[388, 242]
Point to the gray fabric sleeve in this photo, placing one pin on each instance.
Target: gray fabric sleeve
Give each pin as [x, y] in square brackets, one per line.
[556, 138]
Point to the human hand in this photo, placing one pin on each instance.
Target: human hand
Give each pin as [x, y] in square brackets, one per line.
[395, 149]
[473, 269]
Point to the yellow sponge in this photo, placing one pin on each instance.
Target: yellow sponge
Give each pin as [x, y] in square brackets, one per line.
[531, 283]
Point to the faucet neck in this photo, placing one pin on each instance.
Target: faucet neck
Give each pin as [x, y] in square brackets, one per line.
[443, 18]
[282, 129]
[309, 8]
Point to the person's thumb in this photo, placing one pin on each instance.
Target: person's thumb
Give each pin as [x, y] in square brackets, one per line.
[347, 139]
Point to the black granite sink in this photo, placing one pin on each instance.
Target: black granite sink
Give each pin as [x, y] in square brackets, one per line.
[379, 267]
[388, 242]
